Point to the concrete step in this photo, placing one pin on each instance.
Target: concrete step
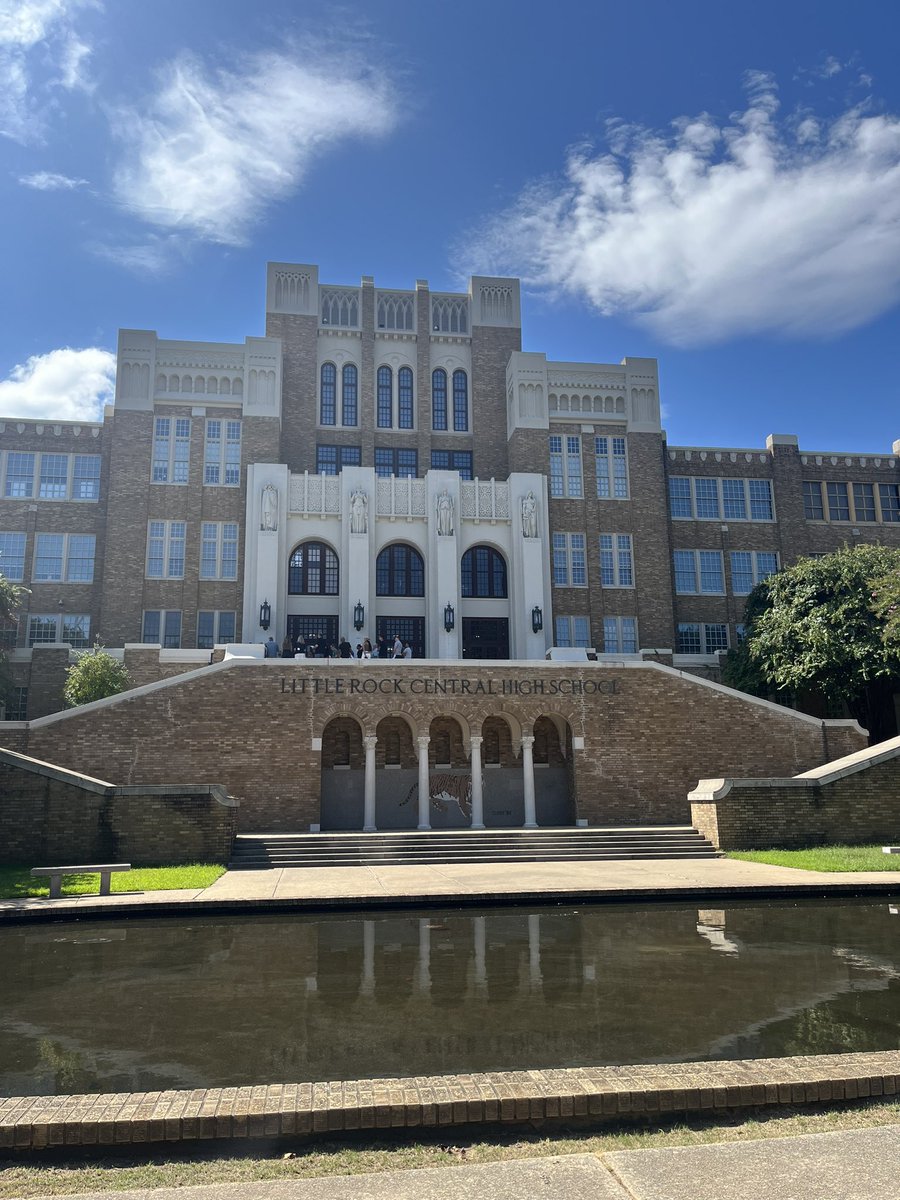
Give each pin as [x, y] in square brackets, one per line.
[429, 847]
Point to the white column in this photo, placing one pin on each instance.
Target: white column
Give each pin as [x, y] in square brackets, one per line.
[528, 781]
[477, 797]
[367, 983]
[369, 803]
[424, 785]
[424, 954]
[534, 948]
[479, 934]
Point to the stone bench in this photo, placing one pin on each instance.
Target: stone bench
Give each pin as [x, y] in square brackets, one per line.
[105, 870]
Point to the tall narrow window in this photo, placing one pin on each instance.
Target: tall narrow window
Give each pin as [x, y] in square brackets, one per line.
[438, 399]
[405, 398]
[19, 475]
[385, 398]
[86, 479]
[612, 468]
[349, 394]
[54, 476]
[328, 394]
[12, 556]
[565, 466]
[460, 401]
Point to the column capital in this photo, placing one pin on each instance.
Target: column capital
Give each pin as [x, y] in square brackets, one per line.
[527, 740]
[475, 739]
[370, 741]
[424, 740]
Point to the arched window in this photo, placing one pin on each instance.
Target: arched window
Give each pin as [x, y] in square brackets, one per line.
[313, 571]
[405, 398]
[483, 573]
[385, 398]
[349, 392]
[399, 571]
[439, 399]
[460, 401]
[327, 394]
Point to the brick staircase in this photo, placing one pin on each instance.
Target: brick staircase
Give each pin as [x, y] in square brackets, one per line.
[259, 851]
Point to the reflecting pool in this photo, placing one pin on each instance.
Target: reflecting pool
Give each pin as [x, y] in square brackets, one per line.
[225, 1001]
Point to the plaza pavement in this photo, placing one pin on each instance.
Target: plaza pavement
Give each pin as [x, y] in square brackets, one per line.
[359, 887]
[850, 1165]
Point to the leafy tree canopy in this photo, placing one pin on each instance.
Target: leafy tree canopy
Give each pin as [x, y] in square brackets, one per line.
[818, 626]
[11, 598]
[94, 675]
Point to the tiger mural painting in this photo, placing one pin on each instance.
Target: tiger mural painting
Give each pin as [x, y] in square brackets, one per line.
[446, 790]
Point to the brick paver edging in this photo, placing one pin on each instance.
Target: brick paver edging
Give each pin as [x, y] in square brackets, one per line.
[35, 1122]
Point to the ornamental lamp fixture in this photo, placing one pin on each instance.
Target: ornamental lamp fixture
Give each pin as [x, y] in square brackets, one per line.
[265, 615]
[449, 618]
[359, 616]
[537, 619]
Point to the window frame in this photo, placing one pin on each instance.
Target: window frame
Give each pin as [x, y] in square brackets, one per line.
[453, 456]
[721, 501]
[568, 559]
[611, 467]
[703, 635]
[618, 623]
[59, 621]
[755, 573]
[67, 556]
[223, 537]
[395, 453]
[439, 399]
[389, 571]
[169, 627]
[349, 395]
[460, 401]
[340, 453]
[221, 468]
[328, 394]
[169, 538]
[215, 637]
[616, 572]
[13, 555]
[566, 466]
[699, 570]
[494, 573]
[170, 453]
[329, 572]
[576, 627]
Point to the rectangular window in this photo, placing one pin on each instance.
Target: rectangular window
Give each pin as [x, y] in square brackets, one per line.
[48, 557]
[171, 450]
[218, 550]
[12, 556]
[680, 496]
[166, 622]
[573, 631]
[222, 453]
[165, 549]
[403, 463]
[734, 502]
[838, 502]
[889, 495]
[689, 639]
[709, 499]
[619, 635]
[616, 560]
[214, 628]
[715, 638]
[54, 484]
[706, 495]
[452, 460]
[16, 704]
[80, 549]
[750, 567]
[812, 500]
[569, 564]
[864, 501]
[612, 468]
[565, 467]
[50, 627]
[331, 460]
[86, 477]
[349, 394]
[405, 398]
[697, 638]
[703, 566]
[19, 476]
[385, 405]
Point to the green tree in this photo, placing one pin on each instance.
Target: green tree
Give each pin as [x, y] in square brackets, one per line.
[817, 627]
[11, 598]
[94, 675]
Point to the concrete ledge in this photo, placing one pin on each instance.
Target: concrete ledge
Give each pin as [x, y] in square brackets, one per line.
[597, 1093]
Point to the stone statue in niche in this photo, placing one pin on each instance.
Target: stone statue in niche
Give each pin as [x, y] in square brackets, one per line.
[269, 522]
[529, 516]
[359, 512]
[444, 505]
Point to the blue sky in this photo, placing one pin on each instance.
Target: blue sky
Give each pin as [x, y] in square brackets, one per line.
[710, 183]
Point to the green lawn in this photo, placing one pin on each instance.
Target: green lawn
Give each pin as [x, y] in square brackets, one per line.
[17, 882]
[826, 858]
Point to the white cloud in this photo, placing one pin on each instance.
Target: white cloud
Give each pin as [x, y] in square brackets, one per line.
[34, 33]
[156, 254]
[210, 150]
[62, 385]
[49, 181]
[718, 230]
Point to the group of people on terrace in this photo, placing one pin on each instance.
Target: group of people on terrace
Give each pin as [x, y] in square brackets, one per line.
[301, 647]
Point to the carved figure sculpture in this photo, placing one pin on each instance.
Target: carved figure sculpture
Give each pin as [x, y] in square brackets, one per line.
[445, 514]
[529, 516]
[269, 521]
[359, 512]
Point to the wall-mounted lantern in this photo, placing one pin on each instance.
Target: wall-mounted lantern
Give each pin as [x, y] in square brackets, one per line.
[537, 619]
[449, 618]
[359, 616]
[265, 615]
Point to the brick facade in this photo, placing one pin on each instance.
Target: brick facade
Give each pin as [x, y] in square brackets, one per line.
[265, 730]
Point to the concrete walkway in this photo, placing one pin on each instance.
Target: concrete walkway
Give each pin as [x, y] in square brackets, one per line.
[476, 882]
[852, 1165]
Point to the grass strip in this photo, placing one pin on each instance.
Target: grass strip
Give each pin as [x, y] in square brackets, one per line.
[825, 858]
[17, 883]
[166, 1166]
